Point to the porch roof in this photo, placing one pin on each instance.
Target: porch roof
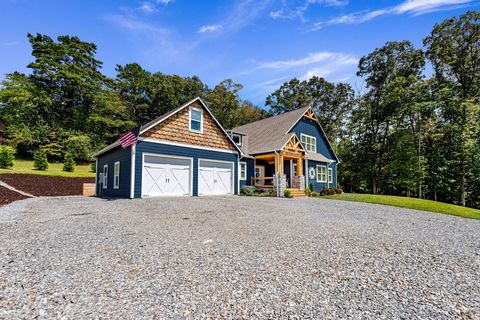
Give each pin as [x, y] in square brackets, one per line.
[318, 157]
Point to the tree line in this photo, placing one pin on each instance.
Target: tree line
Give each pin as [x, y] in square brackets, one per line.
[66, 105]
[413, 130]
[409, 132]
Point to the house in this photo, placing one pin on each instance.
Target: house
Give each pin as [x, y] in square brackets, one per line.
[290, 150]
[184, 152]
[187, 152]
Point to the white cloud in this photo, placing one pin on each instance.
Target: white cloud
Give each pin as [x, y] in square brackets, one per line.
[147, 7]
[414, 7]
[297, 11]
[331, 65]
[311, 58]
[210, 28]
[164, 1]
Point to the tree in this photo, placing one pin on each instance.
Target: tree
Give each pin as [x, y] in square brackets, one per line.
[68, 163]
[453, 47]
[40, 161]
[133, 85]
[291, 95]
[386, 72]
[331, 102]
[224, 102]
[7, 155]
[170, 91]
[69, 74]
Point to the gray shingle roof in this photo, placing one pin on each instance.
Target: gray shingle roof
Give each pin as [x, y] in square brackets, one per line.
[269, 134]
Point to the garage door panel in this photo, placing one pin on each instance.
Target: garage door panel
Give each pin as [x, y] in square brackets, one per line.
[165, 176]
[215, 177]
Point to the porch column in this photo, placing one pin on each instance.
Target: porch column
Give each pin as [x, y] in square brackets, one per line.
[299, 167]
[276, 164]
[281, 164]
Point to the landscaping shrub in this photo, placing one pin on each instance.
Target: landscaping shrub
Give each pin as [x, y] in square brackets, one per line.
[247, 190]
[338, 191]
[330, 192]
[7, 155]
[68, 163]
[40, 161]
[308, 192]
[80, 146]
[287, 193]
[315, 194]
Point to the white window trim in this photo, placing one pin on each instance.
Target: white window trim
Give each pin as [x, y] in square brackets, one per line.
[105, 176]
[330, 175]
[116, 182]
[305, 146]
[240, 171]
[190, 120]
[239, 139]
[318, 171]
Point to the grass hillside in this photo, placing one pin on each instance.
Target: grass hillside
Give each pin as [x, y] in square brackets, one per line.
[54, 169]
[410, 203]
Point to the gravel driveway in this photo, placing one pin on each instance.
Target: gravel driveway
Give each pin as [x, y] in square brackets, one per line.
[234, 257]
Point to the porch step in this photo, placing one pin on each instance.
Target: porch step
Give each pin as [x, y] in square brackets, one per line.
[297, 193]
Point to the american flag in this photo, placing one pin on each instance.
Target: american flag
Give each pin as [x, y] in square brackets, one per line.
[129, 137]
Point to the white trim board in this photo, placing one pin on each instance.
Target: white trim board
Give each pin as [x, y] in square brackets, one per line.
[185, 145]
[132, 170]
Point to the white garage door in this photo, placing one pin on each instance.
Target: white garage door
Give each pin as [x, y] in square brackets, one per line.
[165, 176]
[215, 177]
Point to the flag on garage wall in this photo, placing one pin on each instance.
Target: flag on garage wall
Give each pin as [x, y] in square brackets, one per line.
[129, 137]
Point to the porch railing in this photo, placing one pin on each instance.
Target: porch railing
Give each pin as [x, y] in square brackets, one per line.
[262, 182]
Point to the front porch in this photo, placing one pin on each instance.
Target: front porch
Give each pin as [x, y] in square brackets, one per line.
[283, 169]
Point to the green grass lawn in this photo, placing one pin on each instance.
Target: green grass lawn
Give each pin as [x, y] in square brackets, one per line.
[410, 203]
[54, 169]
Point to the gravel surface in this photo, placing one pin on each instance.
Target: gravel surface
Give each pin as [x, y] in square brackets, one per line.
[235, 257]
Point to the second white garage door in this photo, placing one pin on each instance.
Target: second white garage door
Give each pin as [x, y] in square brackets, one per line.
[215, 177]
[166, 176]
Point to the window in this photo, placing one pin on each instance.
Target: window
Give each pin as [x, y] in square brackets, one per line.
[330, 175]
[309, 142]
[243, 171]
[237, 139]
[321, 174]
[116, 175]
[196, 120]
[105, 176]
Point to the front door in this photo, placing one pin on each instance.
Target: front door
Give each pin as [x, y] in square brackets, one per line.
[259, 173]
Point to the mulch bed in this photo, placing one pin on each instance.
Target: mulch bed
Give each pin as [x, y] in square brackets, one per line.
[8, 196]
[45, 185]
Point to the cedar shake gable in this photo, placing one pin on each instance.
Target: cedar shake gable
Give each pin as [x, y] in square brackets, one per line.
[174, 127]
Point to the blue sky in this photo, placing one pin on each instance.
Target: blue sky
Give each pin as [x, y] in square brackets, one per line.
[258, 43]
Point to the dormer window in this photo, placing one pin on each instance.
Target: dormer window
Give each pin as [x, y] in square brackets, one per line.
[237, 139]
[196, 120]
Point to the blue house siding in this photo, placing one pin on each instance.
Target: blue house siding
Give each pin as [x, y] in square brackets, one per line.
[250, 171]
[109, 158]
[319, 186]
[180, 151]
[311, 128]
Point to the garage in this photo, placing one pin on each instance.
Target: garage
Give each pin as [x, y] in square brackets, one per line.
[215, 177]
[166, 176]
